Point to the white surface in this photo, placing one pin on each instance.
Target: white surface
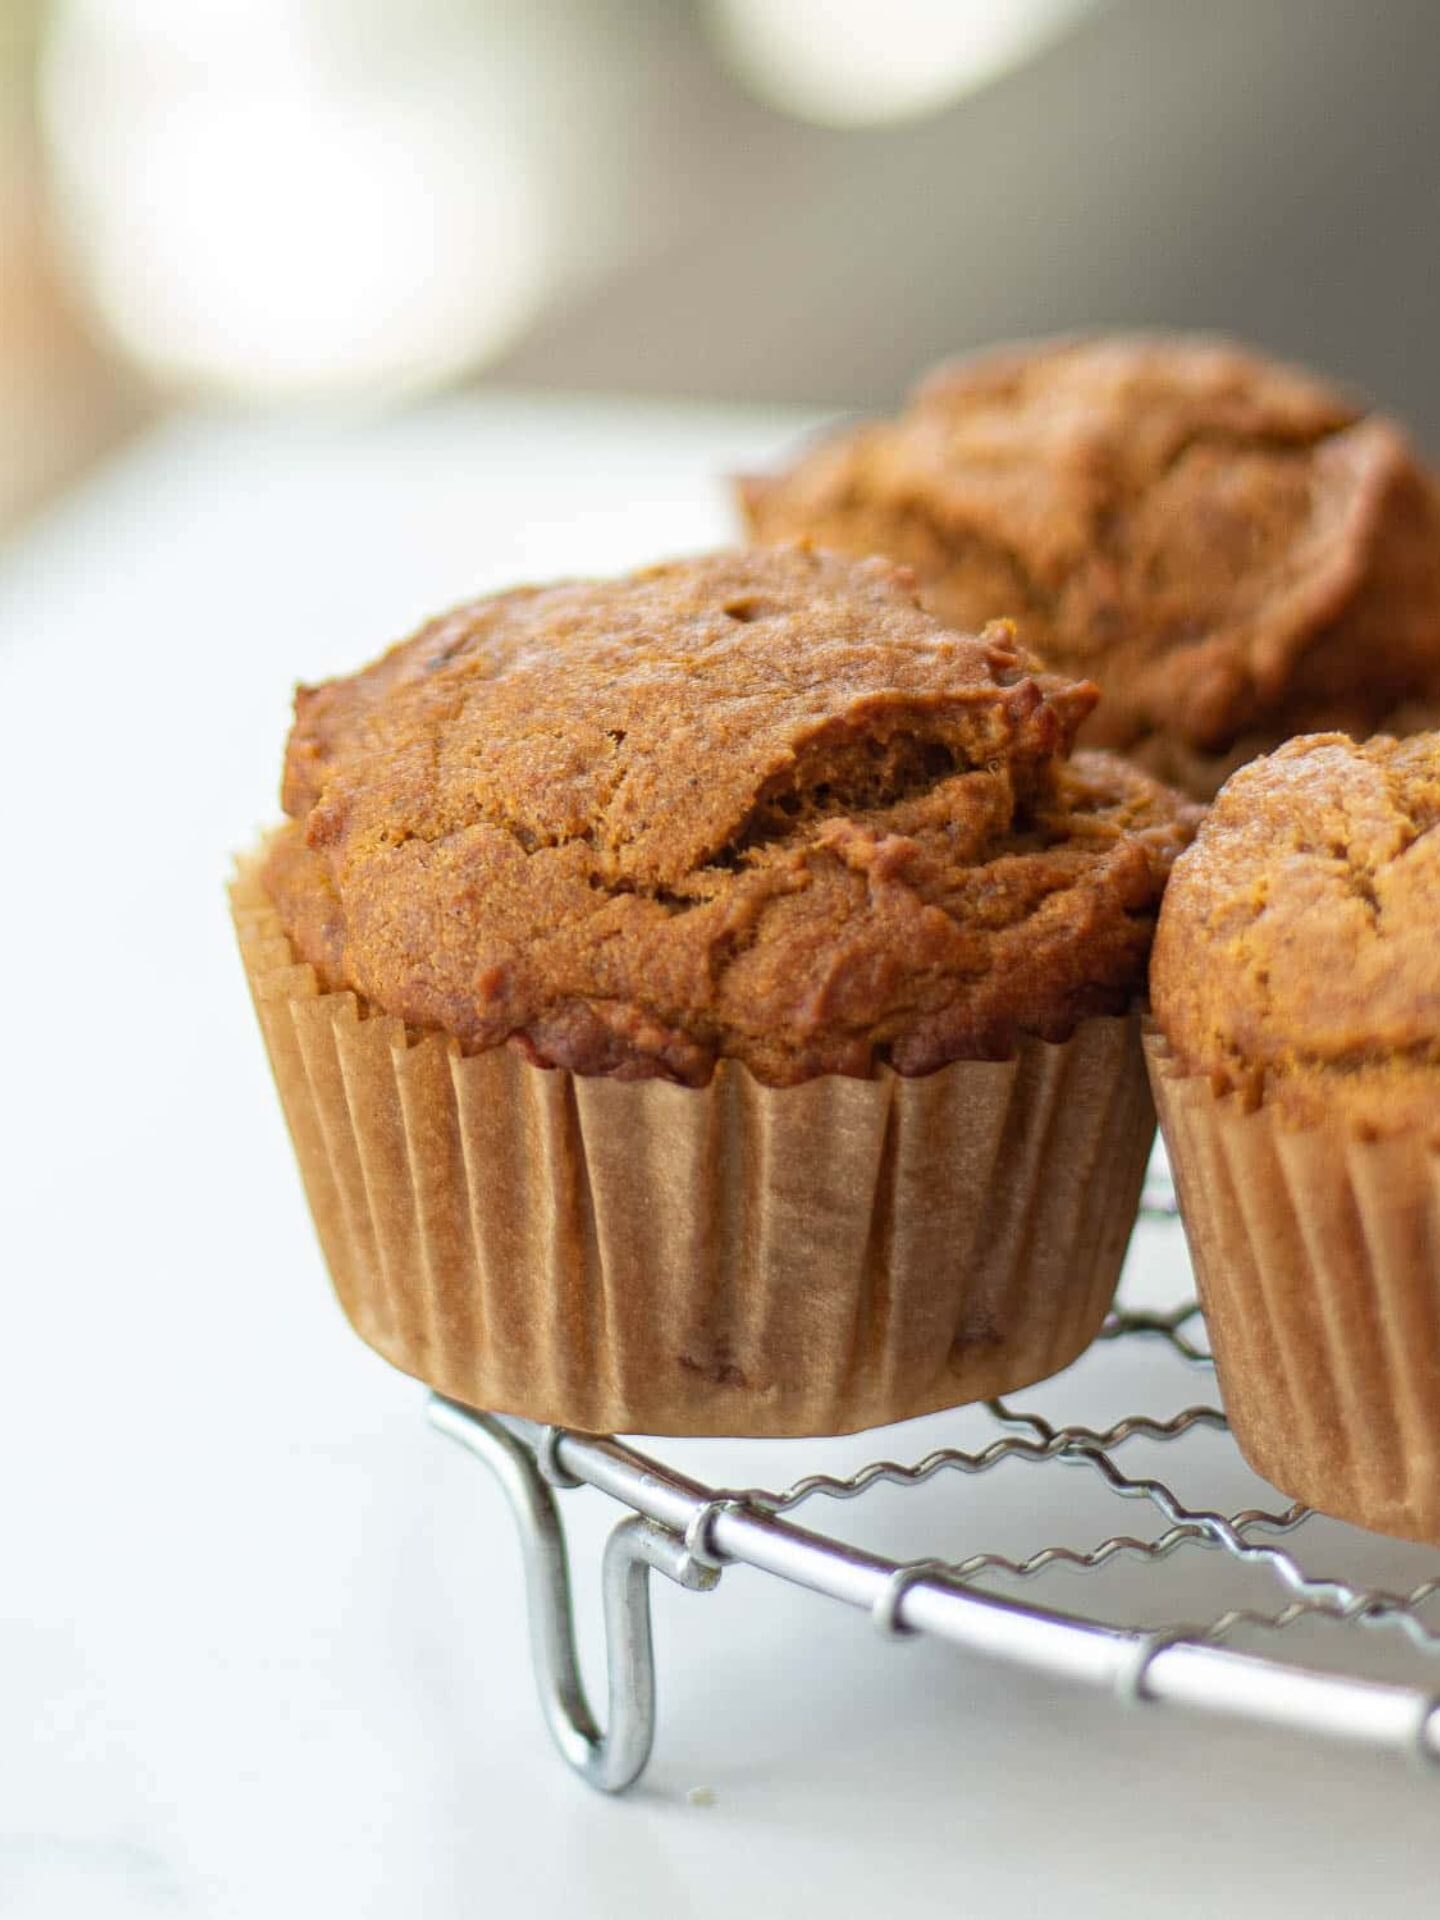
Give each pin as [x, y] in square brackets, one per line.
[261, 1633]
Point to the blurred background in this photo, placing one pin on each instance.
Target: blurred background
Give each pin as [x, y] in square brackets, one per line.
[259, 1651]
[311, 203]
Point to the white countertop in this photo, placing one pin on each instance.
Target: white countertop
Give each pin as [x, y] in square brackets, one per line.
[261, 1632]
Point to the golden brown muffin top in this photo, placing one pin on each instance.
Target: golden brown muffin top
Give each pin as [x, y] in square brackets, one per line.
[1298, 956]
[754, 805]
[1233, 549]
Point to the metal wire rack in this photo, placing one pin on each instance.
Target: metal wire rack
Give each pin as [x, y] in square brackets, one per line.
[1335, 1643]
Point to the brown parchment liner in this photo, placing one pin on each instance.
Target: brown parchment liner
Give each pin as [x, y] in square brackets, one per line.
[737, 1259]
[1317, 1257]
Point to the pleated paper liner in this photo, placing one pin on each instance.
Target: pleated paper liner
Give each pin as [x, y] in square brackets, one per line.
[736, 1259]
[1317, 1256]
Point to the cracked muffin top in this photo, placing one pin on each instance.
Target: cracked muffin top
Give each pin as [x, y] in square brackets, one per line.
[1235, 551]
[1297, 958]
[757, 806]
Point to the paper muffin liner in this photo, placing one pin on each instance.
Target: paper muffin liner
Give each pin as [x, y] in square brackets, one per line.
[642, 1256]
[1317, 1257]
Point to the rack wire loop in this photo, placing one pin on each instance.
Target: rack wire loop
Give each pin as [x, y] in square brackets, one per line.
[885, 1613]
[1425, 1748]
[698, 1528]
[547, 1458]
[1133, 1672]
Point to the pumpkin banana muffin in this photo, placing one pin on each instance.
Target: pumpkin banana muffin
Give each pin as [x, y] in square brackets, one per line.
[1233, 549]
[705, 1001]
[758, 807]
[1296, 1065]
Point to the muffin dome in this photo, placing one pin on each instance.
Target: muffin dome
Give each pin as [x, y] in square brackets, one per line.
[1234, 550]
[756, 806]
[1297, 959]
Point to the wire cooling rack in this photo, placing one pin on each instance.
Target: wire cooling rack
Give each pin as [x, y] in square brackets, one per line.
[1216, 1595]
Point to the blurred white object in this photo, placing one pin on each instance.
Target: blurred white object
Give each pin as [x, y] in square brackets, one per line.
[272, 196]
[852, 63]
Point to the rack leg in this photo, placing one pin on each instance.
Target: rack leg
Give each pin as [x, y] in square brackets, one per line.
[614, 1758]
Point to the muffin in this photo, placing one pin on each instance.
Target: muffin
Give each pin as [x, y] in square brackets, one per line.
[1232, 549]
[706, 1001]
[1295, 1058]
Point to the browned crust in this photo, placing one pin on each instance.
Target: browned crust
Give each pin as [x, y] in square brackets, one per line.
[1297, 960]
[755, 806]
[1234, 550]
